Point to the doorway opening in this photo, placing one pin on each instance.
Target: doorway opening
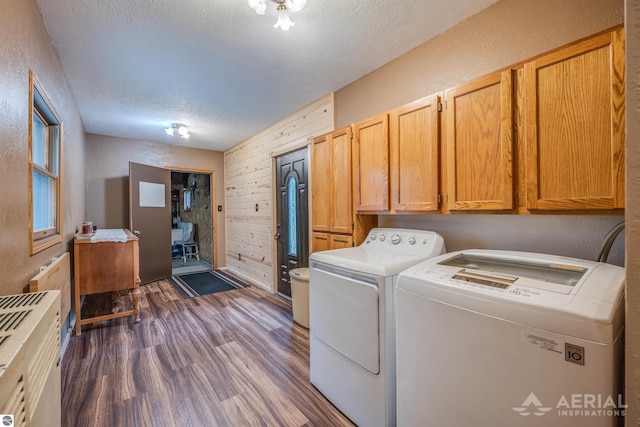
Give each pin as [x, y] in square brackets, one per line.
[192, 221]
[292, 216]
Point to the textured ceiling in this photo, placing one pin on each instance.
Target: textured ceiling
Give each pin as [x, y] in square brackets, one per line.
[135, 66]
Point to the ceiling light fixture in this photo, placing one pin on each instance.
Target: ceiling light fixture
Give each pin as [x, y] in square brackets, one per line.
[182, 130]
[283, 8]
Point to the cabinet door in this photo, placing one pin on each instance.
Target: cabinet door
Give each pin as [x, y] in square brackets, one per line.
[320, 242]
[340, 241]
[414, 141]
[575, 126]
[321, 183]
[479, 144]
[371, 143]
[340, 176]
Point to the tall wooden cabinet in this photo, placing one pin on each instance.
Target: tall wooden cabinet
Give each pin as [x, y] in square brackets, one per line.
[575, 126]
[371, 164]
[479, 144]
[334, 223]
[331, 194]
[321, 184]
[414, 139]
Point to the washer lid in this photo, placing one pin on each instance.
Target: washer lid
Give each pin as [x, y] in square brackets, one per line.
[366, 261]
[491, 270]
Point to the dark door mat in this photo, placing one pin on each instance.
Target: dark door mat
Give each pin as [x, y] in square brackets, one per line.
[204, 283]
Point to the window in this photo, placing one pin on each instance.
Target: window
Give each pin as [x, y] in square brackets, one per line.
[45, 170]
[292, 199]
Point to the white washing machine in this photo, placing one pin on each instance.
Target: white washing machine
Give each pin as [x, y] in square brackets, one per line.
[351, 310]
[497, 338]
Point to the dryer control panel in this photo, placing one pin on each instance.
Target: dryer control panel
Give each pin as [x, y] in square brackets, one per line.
[402, 241]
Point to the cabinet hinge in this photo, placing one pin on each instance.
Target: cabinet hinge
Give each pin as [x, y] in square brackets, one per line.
[439, 106]
[439, 198]
[351, 134]
[353, 225]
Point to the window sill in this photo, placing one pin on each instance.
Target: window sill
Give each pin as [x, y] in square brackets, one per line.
[42, 244]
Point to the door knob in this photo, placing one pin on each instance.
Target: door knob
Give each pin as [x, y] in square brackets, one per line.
[136, 232]
[276, 236]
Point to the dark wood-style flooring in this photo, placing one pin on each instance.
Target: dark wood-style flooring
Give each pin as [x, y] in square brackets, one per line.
[233, 358]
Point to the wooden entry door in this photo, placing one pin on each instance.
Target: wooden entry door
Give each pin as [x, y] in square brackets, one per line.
[292, 213]
[150, 219]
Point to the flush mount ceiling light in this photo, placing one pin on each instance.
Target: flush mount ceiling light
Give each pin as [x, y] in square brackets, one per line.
[283, 8]
[182, 130]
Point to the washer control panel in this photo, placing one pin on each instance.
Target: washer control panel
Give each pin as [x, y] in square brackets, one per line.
[496, 287]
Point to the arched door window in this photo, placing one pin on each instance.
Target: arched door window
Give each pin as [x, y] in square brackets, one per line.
[292, 199]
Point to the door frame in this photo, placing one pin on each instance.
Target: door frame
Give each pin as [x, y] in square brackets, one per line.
[214, 204]
[274, 210]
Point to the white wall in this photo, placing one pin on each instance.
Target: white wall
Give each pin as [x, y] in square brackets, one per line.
[248, 180]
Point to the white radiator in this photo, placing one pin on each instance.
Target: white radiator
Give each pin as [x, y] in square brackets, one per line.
[30, 383]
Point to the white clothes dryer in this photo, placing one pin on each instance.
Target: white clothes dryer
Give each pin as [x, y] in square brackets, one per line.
[351, 310]
[502, 338]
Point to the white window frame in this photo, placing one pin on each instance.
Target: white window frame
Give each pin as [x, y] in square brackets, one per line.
[40, 105]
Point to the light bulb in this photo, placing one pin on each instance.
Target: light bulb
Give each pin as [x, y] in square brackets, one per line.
[284, 22]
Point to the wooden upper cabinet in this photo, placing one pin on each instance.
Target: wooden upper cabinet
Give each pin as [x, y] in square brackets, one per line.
[479, 144]
[414, 132]
[371, 164]
[575, 126]
[331, 195]
[321, 183]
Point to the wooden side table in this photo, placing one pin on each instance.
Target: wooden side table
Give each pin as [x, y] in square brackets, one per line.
[103, 267]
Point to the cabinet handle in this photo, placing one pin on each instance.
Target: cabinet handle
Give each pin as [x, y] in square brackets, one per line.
[136, 232]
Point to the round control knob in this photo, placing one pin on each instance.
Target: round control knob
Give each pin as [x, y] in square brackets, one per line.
[395, 239]
[373, 237]
[382, 237]
[412, 240]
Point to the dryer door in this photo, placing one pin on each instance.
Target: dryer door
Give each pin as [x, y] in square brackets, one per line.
[344, 314]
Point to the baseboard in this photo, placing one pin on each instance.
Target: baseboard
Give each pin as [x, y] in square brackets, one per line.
[247, 279]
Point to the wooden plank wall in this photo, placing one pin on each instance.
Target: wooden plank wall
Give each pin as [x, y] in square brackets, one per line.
[248, 169]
